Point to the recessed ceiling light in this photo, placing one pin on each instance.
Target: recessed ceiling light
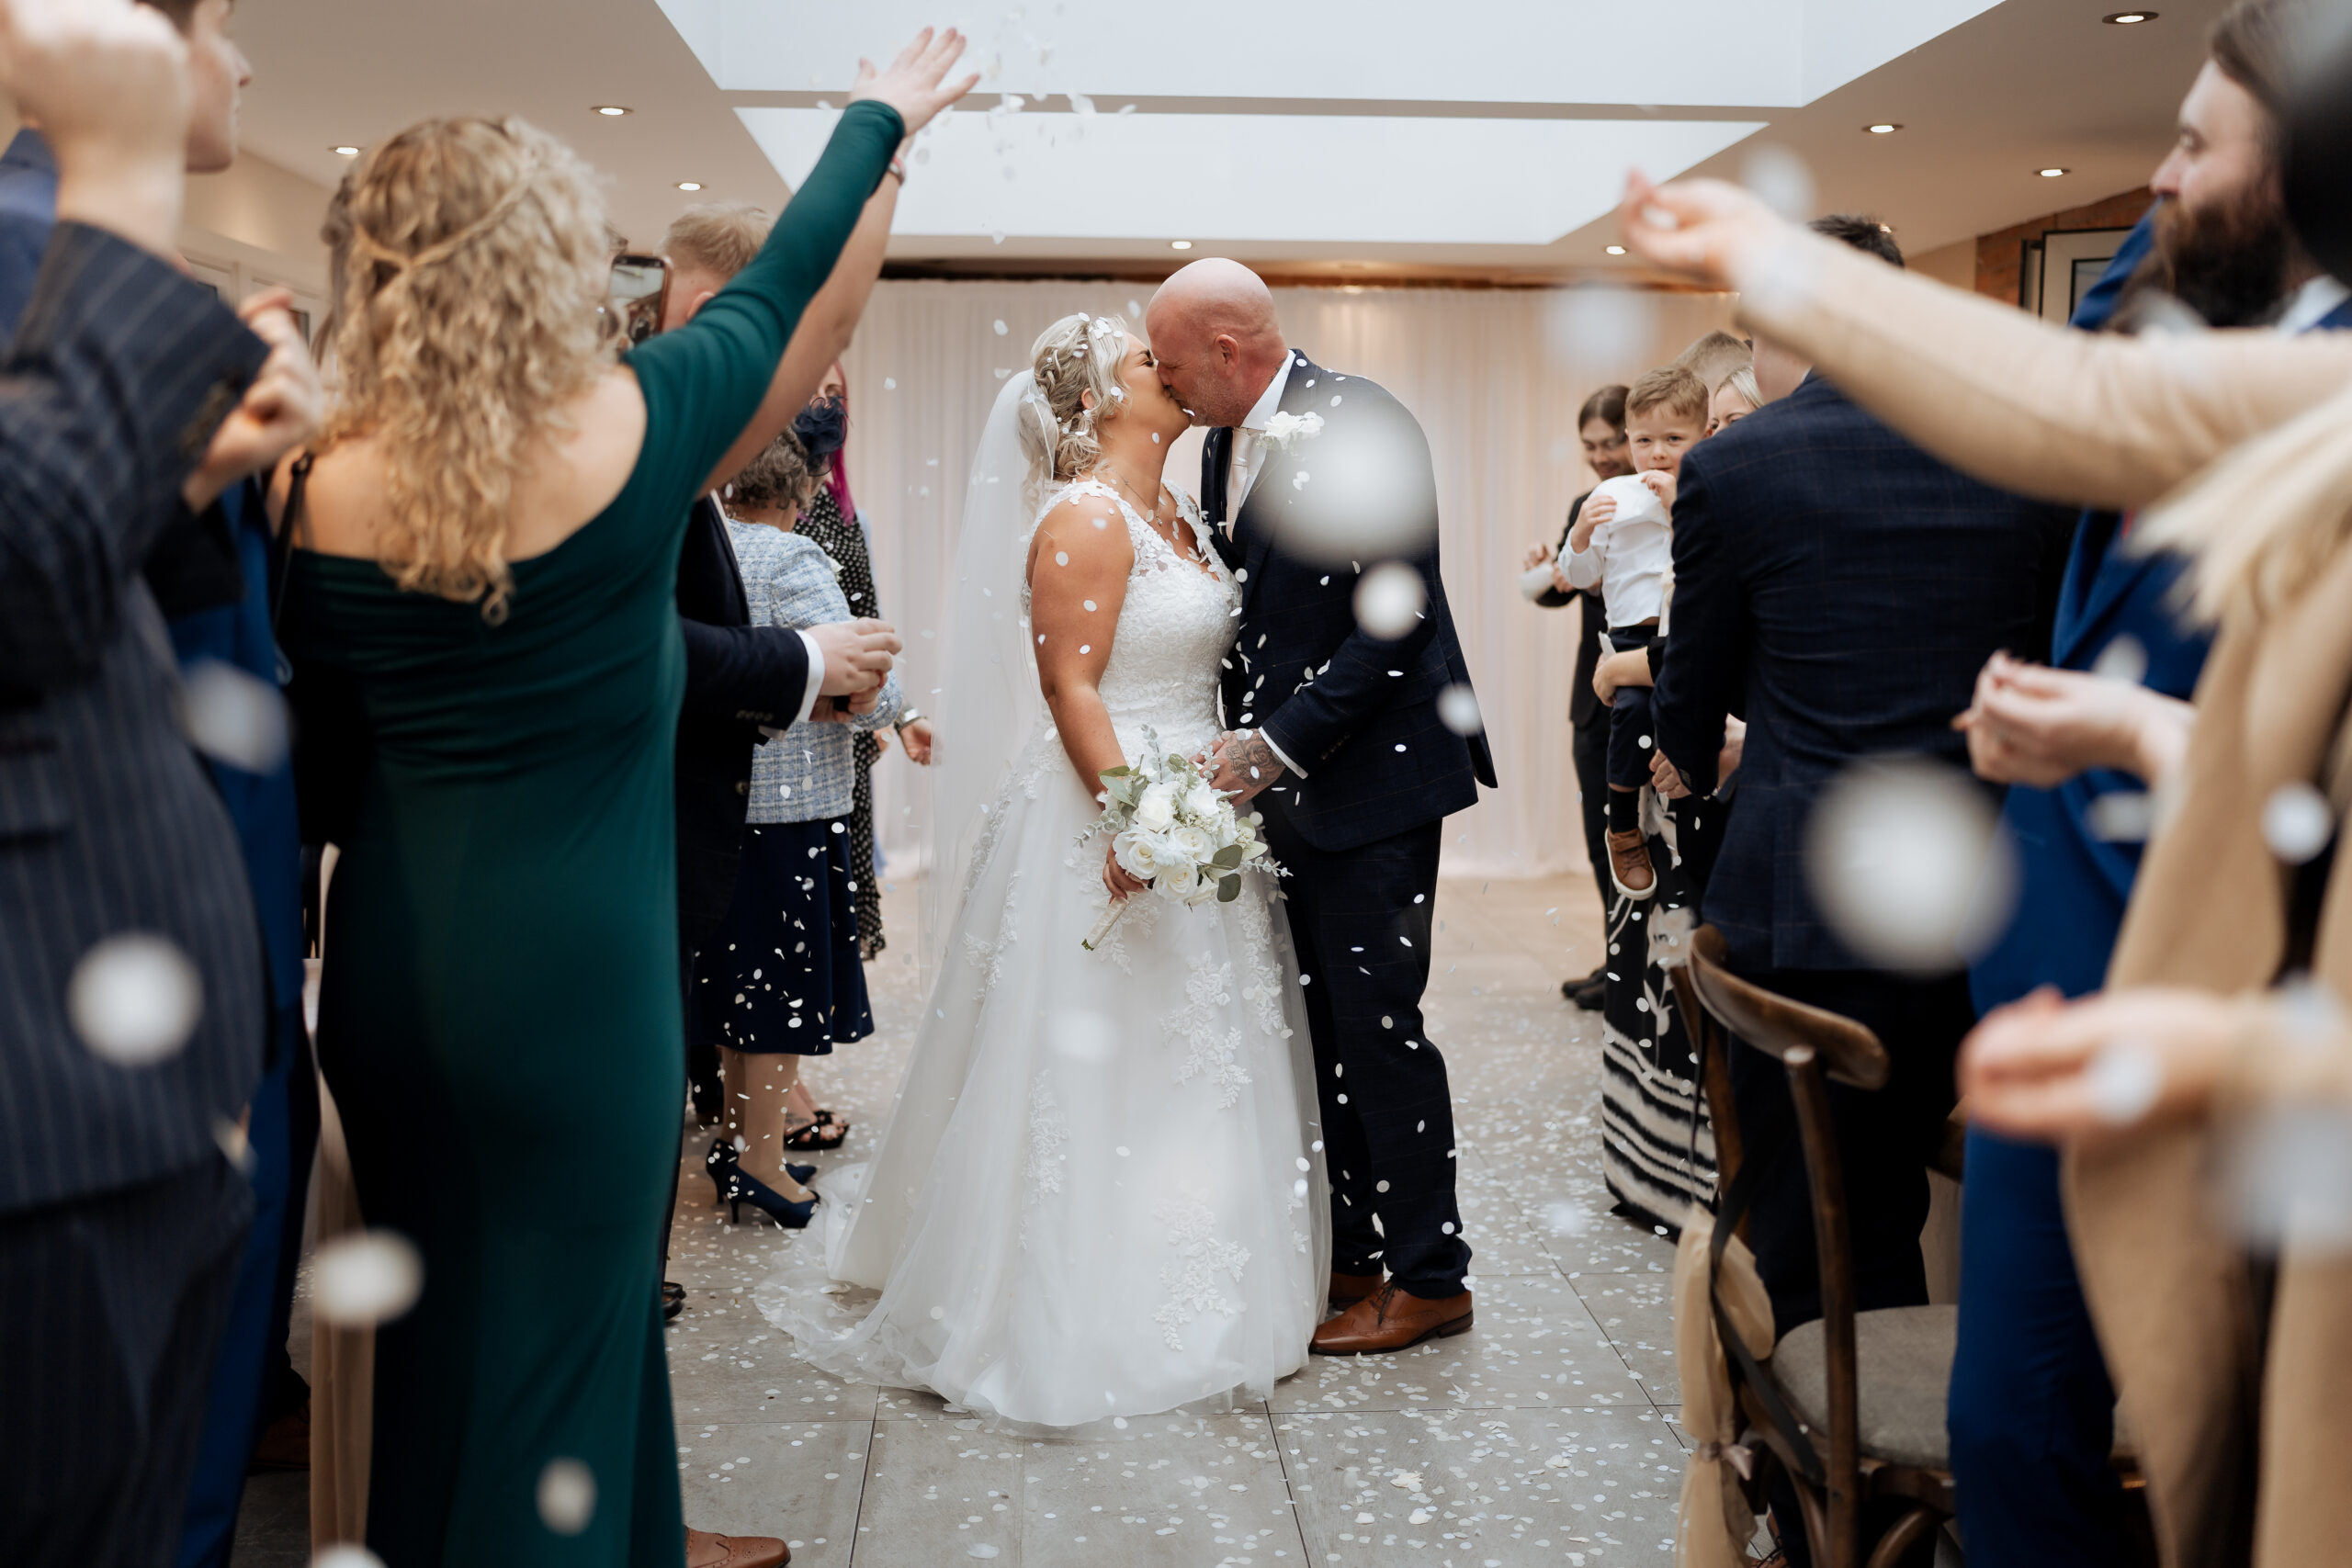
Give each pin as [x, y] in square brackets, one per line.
[347, 151]
[2052, 174]
[690, 184]
[612, 110]
[1180, 244]
[1614, 250]
[1882, 129]
[2128, 19]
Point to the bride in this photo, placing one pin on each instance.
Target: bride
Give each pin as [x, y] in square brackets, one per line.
[1100, 1194]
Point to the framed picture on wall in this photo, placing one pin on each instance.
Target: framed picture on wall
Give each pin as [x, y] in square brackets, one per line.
[2062, 266]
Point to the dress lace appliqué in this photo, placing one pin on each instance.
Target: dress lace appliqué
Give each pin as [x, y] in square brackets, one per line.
[1211, 1052]
[1192, 1284]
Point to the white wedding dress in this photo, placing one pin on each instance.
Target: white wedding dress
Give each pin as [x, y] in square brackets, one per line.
[1100, 1194]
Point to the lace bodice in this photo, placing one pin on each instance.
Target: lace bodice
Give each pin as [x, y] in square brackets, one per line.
[1175, 628]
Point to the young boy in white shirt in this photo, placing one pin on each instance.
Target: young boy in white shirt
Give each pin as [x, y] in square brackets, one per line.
[1623, 541]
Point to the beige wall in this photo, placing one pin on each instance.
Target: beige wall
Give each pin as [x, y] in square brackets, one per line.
[1954, 264]
[257, 217]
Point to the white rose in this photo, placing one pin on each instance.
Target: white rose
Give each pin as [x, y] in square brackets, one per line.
[1134, 851]
[1202, 802]
[1195, 844]
[1156, 812]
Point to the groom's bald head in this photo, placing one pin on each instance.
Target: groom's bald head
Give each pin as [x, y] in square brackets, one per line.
[1213, 329]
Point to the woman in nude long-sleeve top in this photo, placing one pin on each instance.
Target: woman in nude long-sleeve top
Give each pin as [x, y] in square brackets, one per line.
[2239, 1390]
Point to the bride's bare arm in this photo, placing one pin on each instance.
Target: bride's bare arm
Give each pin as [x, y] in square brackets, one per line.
[1078, 580]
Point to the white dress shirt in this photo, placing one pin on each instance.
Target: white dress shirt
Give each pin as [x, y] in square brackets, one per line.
[2310, 305]
[1249, 450]
[1629, 557]
[1249, 456]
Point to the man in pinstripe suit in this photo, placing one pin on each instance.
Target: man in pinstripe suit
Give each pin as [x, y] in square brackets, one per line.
[128, 394]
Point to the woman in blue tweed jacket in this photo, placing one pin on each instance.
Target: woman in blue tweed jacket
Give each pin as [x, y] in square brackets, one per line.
[780, 979]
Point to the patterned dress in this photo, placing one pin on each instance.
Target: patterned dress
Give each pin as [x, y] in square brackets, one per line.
[842, 539]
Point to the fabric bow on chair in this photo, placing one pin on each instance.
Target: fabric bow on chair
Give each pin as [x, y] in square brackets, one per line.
[1714, 1521]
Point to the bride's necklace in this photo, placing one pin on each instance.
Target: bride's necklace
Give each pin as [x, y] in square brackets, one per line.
[1150, 507]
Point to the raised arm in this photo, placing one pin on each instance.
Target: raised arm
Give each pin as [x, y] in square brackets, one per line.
[707, 383]
[2067, 416]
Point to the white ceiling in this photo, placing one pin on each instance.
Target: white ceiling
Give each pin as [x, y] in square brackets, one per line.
[1480, 137]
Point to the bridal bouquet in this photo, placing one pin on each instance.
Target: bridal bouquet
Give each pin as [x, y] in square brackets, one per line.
[1170, 826]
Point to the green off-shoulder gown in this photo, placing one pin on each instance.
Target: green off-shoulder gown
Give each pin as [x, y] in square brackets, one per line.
[500, 1020]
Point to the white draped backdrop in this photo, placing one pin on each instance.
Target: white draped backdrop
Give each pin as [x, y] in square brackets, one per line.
[1493, 381]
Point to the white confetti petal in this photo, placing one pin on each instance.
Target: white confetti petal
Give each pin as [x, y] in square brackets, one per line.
[134, 1000]
[363, 1280]
[567, 1496]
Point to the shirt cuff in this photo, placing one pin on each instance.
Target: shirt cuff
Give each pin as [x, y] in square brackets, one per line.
[1288, 766]
[816, 678]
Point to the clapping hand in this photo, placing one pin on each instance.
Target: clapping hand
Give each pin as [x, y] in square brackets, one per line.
[284, 408]
[2033, 1069]
[858, 655]
[2032, 725]
[108, 83]
[913, 83]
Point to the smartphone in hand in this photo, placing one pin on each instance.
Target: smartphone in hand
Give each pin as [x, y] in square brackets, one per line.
[638, 296]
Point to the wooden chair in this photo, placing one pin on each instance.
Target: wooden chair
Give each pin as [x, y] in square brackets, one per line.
[1852, 1407]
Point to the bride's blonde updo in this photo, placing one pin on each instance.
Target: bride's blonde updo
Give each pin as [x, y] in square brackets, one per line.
[1076, 356]
[470, 260]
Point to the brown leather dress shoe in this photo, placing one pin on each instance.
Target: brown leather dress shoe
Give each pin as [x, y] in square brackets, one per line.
[1629, 863]
[1349, 1289]
[1390, 1319]
[704, 1550]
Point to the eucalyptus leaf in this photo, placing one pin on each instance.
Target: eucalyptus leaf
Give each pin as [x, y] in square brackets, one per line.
[1228, 858]
[1228, 890]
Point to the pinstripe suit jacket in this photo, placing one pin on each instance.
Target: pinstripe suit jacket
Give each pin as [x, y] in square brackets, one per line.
[120, 373]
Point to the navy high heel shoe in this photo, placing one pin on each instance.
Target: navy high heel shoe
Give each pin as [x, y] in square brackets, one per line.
[736, 1188]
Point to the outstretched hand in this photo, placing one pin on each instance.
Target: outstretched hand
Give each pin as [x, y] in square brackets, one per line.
[1707, 230]
[913, 85]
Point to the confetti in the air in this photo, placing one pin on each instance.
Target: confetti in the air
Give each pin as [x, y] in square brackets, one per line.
[235, 718]
[134, 1000]
[567, 1496]
[1457, 709]
[1911, 865]
[2297, 822]
[360, 1280]
[1389, 600]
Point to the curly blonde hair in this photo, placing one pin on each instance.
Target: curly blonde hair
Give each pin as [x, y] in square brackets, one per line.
[1076, 356]
[470, 261]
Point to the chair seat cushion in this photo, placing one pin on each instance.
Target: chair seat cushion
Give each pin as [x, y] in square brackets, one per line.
[1903, 1361]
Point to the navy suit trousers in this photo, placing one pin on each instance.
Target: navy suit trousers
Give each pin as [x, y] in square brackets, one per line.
[2031, 1412]
[1360, 922]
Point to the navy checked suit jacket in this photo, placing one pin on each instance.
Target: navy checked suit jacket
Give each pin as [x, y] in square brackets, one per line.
[121, 371]
[1840, 590]
[1357, 713]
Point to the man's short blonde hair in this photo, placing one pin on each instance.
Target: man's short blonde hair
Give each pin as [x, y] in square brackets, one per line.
[718, 237]
[1677, 391]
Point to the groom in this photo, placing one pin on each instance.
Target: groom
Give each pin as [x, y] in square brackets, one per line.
[1340, 746]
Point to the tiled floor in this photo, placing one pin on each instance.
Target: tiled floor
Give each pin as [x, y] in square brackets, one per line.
[1541, 1437]
[1545, 1436]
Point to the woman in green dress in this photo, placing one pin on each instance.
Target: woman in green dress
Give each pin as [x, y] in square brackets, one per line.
[486, 640]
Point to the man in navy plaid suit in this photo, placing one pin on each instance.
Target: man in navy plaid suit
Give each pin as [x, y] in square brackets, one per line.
[1342, 740]
[130, 396]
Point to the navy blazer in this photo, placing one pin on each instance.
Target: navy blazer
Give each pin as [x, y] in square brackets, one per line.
[1840, 589]
[2075, 882]
[121, 371]
[1357, 712]
[739, 677]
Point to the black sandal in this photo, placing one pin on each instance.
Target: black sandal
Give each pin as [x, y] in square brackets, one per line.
[815, 1137]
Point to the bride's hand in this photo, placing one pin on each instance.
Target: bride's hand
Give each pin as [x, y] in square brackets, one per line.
[1705, 229]
[912, 84]
[1116, 877]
